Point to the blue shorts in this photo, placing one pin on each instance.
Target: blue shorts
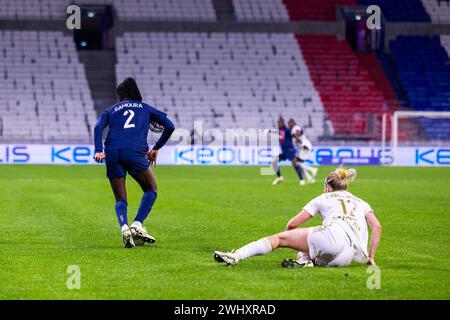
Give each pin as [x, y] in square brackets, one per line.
[121, 161]
[288, 154]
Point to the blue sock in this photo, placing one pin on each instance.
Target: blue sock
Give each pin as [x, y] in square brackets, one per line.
[278, 173]
[299, 172]
[121, 212]
[147, 201]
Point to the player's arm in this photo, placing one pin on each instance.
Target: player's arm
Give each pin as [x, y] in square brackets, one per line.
[375, 236]
[101, 124]
[161, 119]
[298, 220]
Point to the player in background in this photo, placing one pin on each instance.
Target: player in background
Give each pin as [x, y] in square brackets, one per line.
[288, 152]
[126, 150]
[304, 147]
[341, 239]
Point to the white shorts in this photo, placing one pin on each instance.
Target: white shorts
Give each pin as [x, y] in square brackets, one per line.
[330, 246]
[302, 154]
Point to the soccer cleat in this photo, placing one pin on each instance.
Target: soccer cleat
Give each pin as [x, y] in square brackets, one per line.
[140, 236]
[310, 181]
[291, 263]
[127, 239]
[229, 258]
[302, 183]
[278, 180]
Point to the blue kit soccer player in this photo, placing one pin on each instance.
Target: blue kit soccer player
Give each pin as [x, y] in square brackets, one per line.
[288, 152]
[126, 151]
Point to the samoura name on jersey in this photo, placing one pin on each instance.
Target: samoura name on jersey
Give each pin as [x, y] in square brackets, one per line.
[129, 123]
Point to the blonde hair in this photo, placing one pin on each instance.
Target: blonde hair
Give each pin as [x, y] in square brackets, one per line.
[339, 178]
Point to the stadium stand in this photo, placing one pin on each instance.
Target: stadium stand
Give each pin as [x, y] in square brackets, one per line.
[260, 10]
[425, 75]
[227, 80]
[39, 101]
[445, 42]
[285, 10]
[314, 9]
[177, 10]
[348, 92]
[371, 63]
[400, 10]
[438, 10]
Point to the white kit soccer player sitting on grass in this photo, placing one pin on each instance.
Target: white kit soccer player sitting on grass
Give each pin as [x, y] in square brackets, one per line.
[342, 237]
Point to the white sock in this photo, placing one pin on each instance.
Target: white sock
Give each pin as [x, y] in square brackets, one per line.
[275, 164]
[137, 224]
[255, 248]
[305, 171]
[303, 257]
[124, 227]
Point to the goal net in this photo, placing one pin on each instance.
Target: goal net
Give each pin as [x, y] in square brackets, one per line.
[417, 138]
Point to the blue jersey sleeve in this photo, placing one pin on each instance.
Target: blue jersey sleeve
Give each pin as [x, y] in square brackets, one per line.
[102, 122]
[162, 119]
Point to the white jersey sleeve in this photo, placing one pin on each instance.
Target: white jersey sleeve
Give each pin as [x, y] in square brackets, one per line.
[313, 207]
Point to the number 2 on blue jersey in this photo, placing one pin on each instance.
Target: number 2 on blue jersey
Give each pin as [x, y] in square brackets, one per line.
[128, 123]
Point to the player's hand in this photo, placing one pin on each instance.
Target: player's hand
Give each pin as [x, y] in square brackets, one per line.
[152, 155]
[371, 262]
[99, 156]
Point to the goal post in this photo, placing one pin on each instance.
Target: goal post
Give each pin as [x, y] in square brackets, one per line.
[415, 128]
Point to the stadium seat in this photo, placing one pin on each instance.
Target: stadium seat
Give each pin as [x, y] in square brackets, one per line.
[314, 9]
[285, 10]
[350, 97]
[227, 80]
[260, 10]
[438, 10]
[39, 101]
[177, 10]
[423, 67]
[400, 10]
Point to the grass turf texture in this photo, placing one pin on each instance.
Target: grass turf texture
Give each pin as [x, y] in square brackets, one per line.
[53, 217]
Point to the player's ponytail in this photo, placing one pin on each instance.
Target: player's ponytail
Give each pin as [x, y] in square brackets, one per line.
[339, 178]
[128, 90]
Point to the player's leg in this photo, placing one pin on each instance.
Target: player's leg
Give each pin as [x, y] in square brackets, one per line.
[120, 193]
[296, 239]
[116, 174]
[147, 182]
[298, 170]
[305, 170]
[138, 167]
[276, 168]
[312, 171]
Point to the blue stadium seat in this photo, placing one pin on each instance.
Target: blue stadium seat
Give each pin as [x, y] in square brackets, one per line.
[423, 68]
[400, 10]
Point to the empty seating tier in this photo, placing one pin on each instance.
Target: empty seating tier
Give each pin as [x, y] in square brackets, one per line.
[44, 92]
[177, 10]
[226, 80]
[350, 97]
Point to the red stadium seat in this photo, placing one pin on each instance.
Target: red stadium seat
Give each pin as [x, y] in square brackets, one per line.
[349, 92]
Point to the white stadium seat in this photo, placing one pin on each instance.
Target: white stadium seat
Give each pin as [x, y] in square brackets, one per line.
[44, 96]
[189, 10]
[438, 10]
[234, 80]
[260, 10]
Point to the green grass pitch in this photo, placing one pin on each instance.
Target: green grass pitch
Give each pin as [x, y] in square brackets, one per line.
[52, 217]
